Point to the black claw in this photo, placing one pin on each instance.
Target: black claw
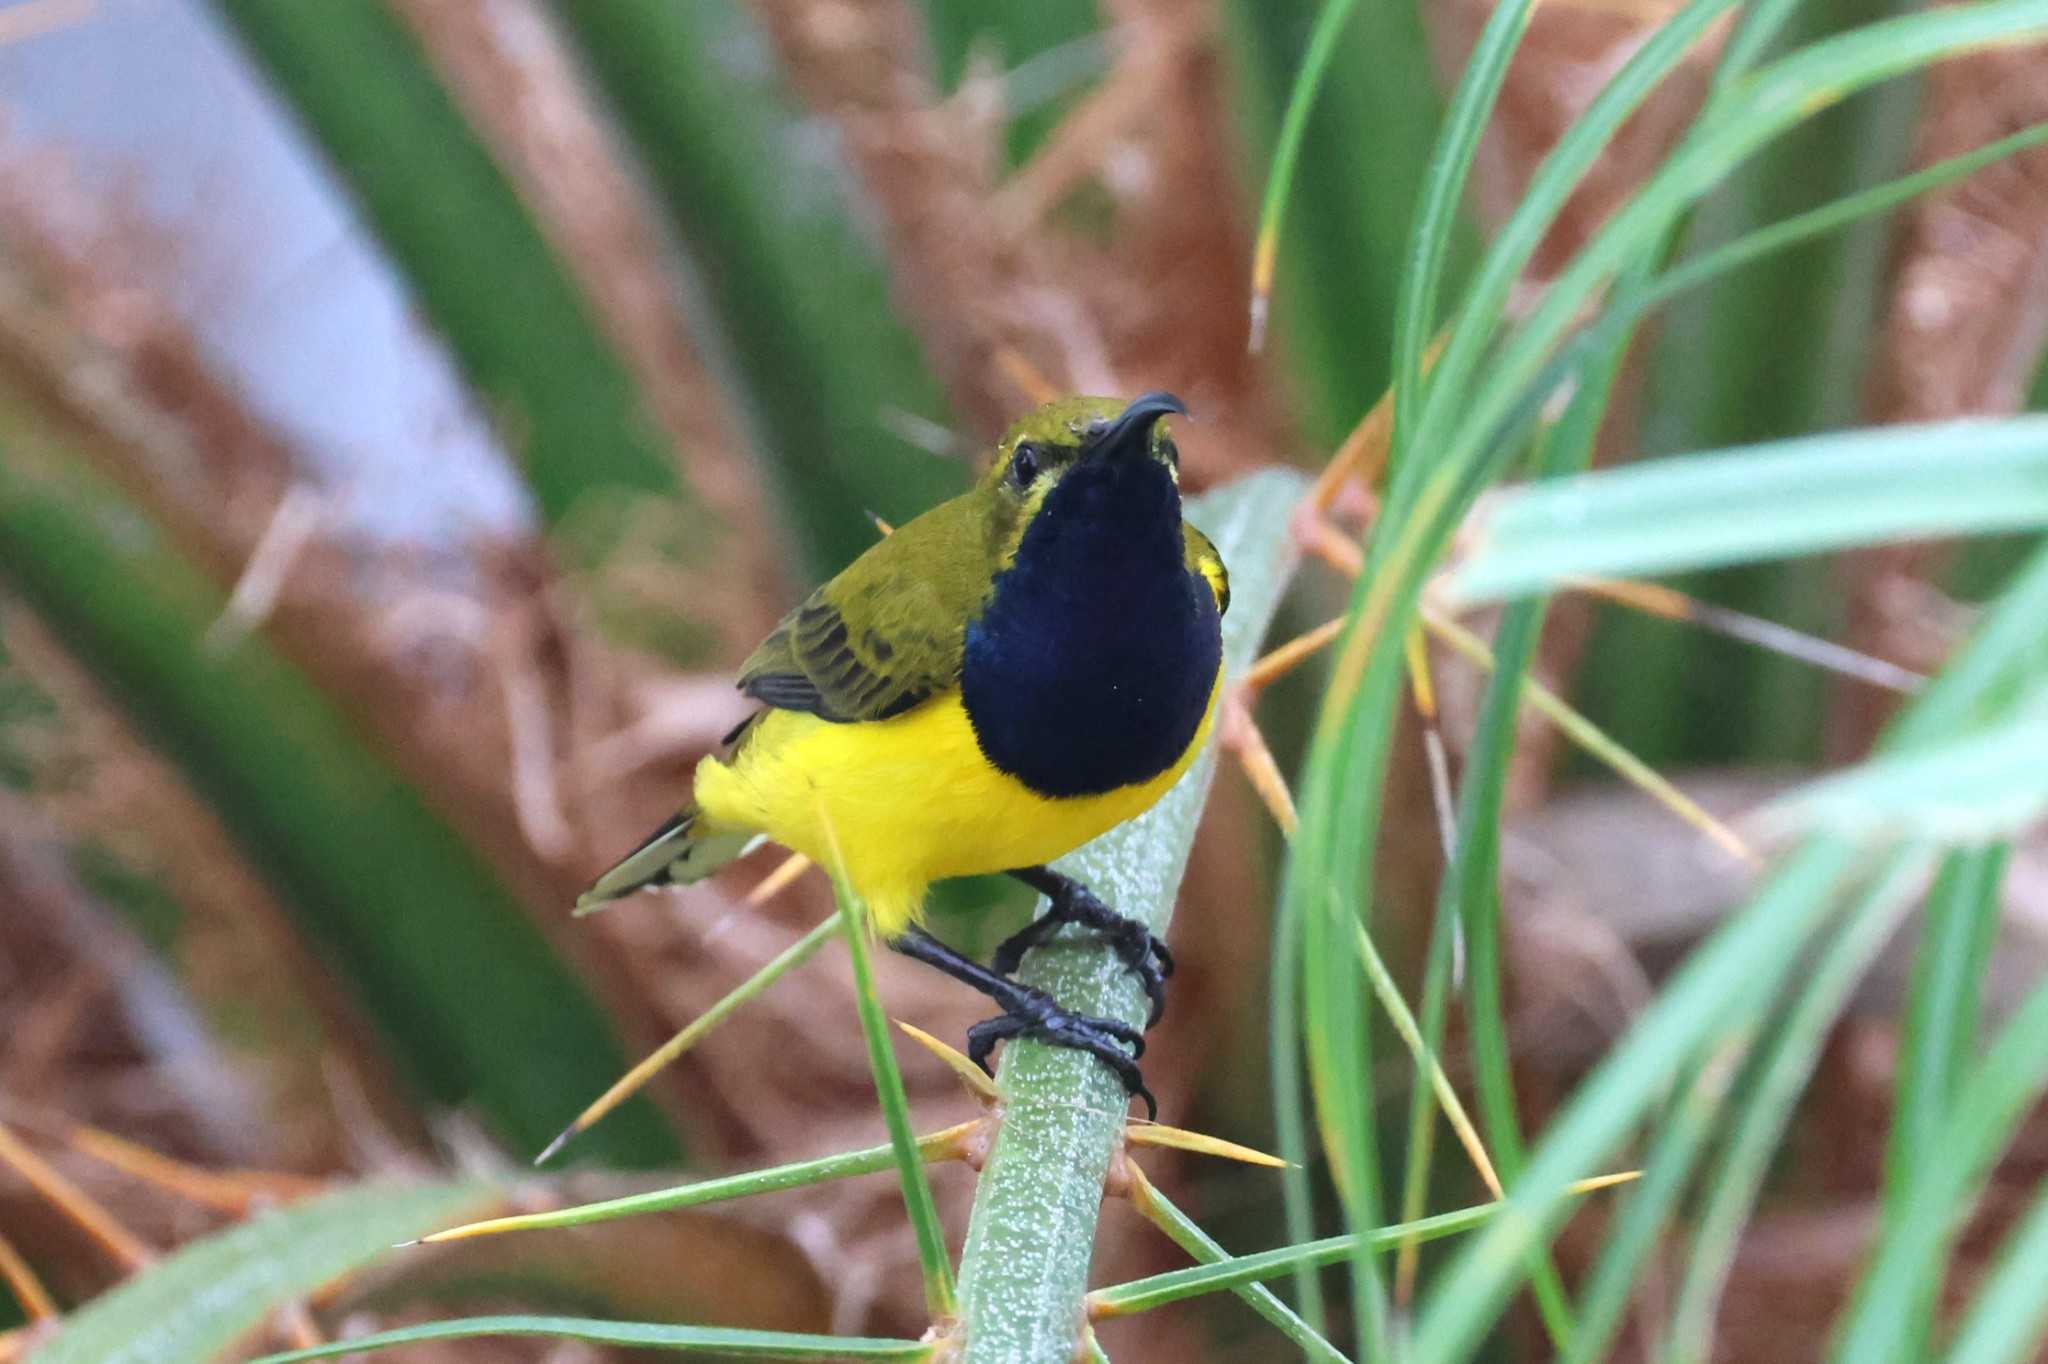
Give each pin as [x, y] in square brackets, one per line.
[1029, 1012]
[1035, 1014]
[1141, 951]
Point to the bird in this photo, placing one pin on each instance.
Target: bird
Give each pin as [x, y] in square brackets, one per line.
[1001, 679]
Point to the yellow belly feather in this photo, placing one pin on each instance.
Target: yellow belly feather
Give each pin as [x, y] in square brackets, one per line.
[908, 800]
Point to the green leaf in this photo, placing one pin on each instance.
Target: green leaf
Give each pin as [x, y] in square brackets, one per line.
[1764, 501]
[191, 1307]
[417, 918]
[1366, 137]
[1758, 1121]
[1189, 1236]
[1142, 1295]
[1720, 994]
[903, 1146]
[722, 1340]
[1985, 785]
[1894, 1304]
[467, 245]
[789, 293]
[775, 1179]
[2005, 1324]
[1939, 1034]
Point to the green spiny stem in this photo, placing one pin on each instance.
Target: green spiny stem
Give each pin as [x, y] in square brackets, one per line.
[1024, 1273]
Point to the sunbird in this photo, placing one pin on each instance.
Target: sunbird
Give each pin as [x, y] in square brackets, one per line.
[1003, 678]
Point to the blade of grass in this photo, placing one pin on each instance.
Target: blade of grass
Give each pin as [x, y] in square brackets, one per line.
[1629, 1245]
[467, 245]
[1770, 500]
[1982, 786]
[1290, 1101]
[1350, 219]
[1429, 1071]
[1478, 319]
[790, 292]
[193, 1305]
[1286, 155]
[1143, 1295]
[730, 1342]
[1752, 246]
[938, 1146]
[1787, 1064]
[1468, 900]
[1186, 1233]
[1348, 759]
[1893, 1307]
[1939, 1036]
[940, 1298]
[1746, 960]
[1788, 341]
[1462, 421]
[2006, 1322]
[1024, 1271]
[1443, 187]
[355, 851]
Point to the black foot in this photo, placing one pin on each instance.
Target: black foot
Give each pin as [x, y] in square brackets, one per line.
[1039, 1015]
[1029, 1012]
[1143, 954]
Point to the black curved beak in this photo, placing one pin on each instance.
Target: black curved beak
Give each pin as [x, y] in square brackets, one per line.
[1129, 433]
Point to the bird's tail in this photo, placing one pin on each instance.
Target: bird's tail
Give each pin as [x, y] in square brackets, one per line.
[678, 853]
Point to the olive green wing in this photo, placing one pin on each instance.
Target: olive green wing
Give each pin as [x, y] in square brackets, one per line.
[1201, 557]
[885, 635]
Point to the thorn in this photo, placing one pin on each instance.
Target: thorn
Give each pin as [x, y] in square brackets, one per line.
[1247, 742]
[971, 1075]
[549, 1151]
[771, 885]
[633, 1080]
[1595, 741]
[1139, 1133]
[255, 596]
[927, 435]
[74, 1202]
[1671, 604]
[233, 1191]
[1285, 658]
[36, 1302]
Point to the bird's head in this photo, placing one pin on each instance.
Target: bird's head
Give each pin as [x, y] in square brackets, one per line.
[1102, 440]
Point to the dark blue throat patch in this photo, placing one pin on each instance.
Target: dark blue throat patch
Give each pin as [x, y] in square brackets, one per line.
[1092, 665]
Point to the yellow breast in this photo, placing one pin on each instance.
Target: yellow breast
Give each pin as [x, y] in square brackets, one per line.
[906, 801]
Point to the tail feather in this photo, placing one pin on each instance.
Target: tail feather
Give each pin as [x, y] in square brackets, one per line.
[675, 854]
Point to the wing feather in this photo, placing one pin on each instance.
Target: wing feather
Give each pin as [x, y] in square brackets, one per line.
[885, 635]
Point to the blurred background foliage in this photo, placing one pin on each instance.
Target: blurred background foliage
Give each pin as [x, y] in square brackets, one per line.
[410, 413]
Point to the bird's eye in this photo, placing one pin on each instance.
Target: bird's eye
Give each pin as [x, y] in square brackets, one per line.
[1024, 465]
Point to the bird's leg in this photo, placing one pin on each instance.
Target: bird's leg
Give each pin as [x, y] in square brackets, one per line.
[1143, 954]
[1031, 1012]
